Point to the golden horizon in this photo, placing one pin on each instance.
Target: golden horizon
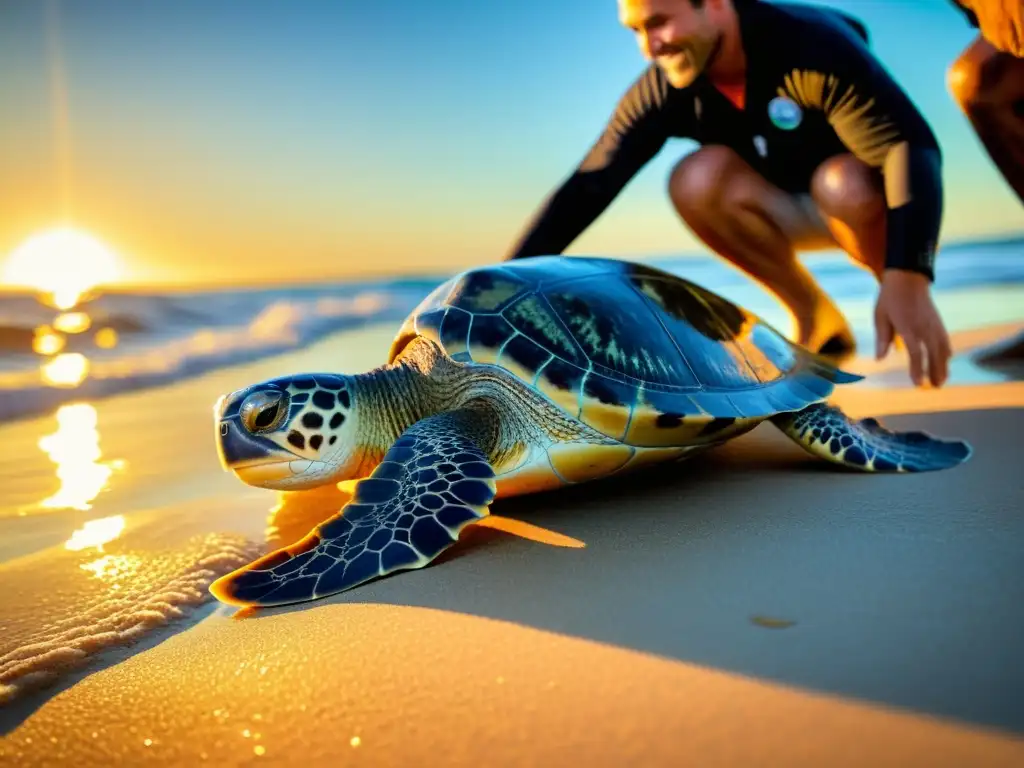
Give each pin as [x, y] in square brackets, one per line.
[65, 265]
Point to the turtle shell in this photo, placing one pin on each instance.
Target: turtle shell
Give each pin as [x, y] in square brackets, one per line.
[640, 354]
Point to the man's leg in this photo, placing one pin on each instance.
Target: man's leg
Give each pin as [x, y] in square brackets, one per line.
[758, 228]
[989, 87]
[851, 199]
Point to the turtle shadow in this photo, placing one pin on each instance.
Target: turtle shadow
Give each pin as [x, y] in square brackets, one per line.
[758, 559]
[297, 513]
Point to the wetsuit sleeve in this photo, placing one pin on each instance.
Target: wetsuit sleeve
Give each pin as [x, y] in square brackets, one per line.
[880, 125]
[634, 134]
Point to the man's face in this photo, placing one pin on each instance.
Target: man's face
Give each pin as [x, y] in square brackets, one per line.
[674, 34]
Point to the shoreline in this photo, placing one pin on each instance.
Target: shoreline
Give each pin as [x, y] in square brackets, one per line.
[963, 309]
[760, 587]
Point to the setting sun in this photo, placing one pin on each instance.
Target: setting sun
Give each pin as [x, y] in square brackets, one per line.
[62, 263]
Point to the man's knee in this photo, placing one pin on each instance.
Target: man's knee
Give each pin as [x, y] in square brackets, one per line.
[982, 77]
[964, 82]
[846, 189]
[706, 179]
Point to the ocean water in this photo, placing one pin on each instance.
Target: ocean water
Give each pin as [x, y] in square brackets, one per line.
[123, 341]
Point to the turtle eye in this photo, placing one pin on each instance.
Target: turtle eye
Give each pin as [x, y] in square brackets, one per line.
[264, 411]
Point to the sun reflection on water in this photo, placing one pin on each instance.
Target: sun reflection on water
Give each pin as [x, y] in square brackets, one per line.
[72, 322]
[96, 533]
[105, 338]
[66, 370]
[75, 449]
[114, 568]
[46, 342]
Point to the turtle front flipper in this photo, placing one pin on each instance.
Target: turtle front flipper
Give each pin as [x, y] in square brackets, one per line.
[434, 481]
[826, 432]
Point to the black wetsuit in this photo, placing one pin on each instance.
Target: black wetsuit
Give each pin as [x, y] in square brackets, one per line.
[813, 90]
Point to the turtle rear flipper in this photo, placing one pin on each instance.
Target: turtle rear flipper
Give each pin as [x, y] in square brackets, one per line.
[434, 481]
[826, 432]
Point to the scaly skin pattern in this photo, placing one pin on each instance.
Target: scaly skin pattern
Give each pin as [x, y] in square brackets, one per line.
[426, 477]
[539, 446]
[433, 481]
[826, 432]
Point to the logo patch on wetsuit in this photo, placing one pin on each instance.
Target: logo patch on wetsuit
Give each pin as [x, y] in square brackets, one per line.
[761, 145]
[784, 113]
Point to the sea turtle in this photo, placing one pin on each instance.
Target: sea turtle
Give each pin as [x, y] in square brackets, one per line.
[519, 377]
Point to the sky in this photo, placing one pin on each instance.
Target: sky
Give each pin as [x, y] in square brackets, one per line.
[252, 141]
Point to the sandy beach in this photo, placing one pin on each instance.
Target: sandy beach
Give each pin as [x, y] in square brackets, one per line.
[750, 607]
[199, 198]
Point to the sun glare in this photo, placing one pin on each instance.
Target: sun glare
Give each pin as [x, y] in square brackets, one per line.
[62, 263]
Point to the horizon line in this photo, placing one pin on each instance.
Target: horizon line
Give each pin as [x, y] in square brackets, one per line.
[440, 273]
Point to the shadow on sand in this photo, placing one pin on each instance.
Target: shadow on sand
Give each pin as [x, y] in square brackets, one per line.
[757, 559]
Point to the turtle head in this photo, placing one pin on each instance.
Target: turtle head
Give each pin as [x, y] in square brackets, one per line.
[289, 433]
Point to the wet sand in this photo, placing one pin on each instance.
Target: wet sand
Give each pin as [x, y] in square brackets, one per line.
[752, 606]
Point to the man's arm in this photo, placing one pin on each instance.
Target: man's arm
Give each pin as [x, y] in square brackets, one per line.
[635, 133]
[880, 125]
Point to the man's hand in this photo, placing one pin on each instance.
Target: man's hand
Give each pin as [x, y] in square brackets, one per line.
[905, 308]
[1001, 22]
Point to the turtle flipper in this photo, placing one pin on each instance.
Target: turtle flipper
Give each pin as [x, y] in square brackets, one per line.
[826, 432]
[434, 480]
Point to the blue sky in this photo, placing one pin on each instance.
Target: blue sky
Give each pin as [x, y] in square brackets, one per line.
[343, 137]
